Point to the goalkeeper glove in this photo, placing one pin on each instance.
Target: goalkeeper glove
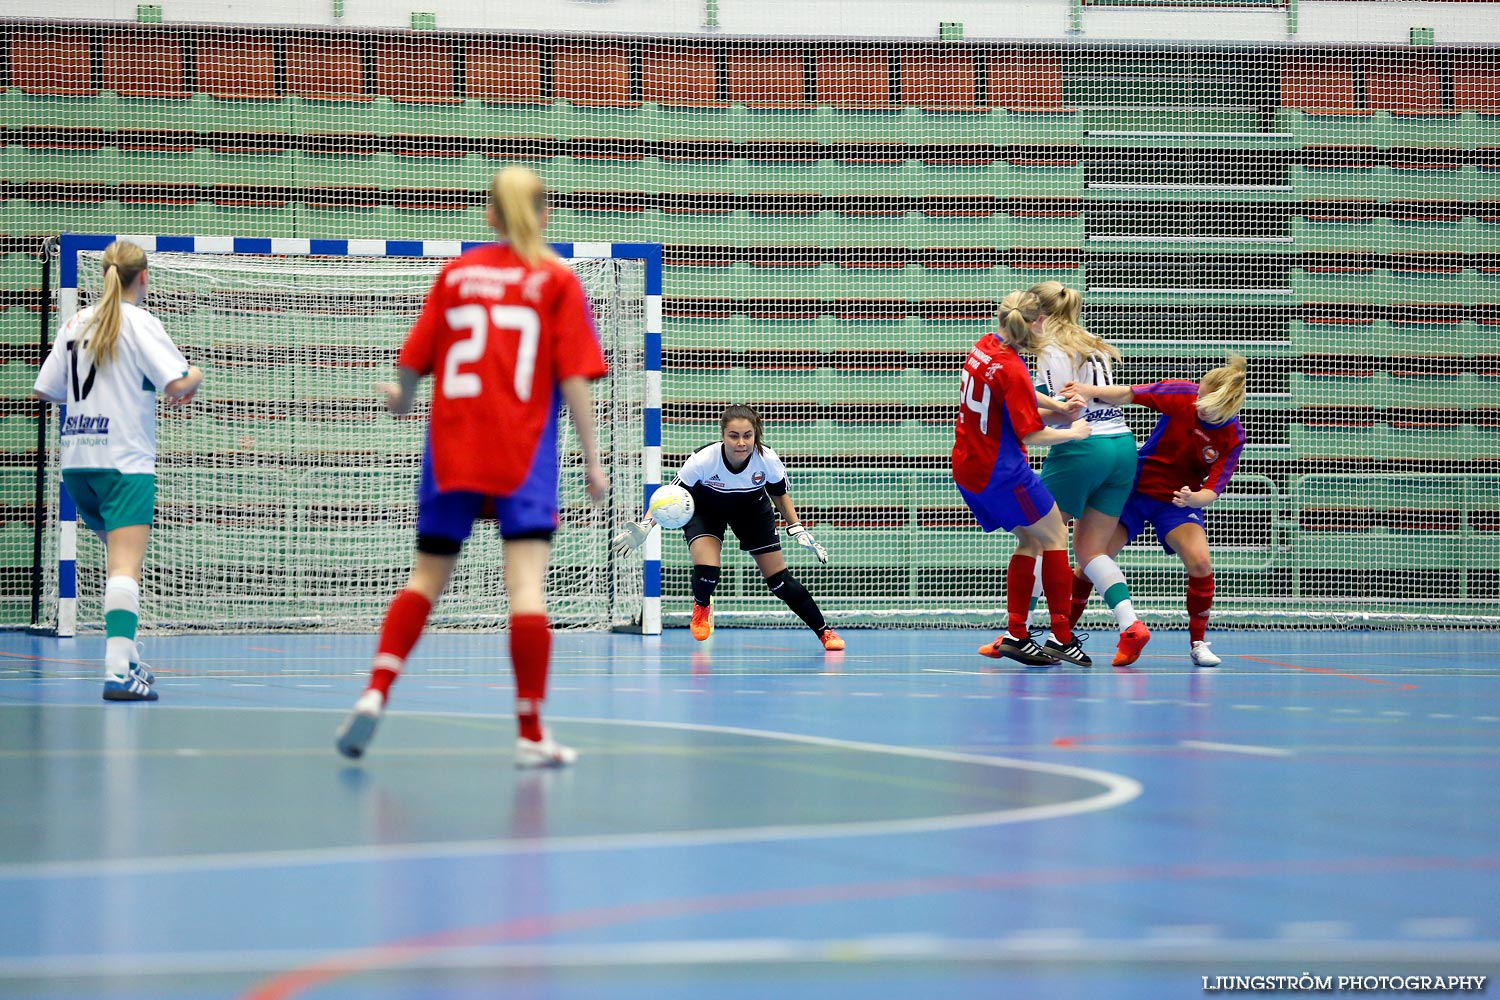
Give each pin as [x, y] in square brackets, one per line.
[804, 538]
[632, 536]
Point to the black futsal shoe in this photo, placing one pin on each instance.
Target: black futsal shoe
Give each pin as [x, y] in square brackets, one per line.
[1021, 650]
[1070, 652]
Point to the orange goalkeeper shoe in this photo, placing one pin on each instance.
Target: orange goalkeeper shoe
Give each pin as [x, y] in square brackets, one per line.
[832, 641]
[991, 649]
[1132, 641]
[703, 620]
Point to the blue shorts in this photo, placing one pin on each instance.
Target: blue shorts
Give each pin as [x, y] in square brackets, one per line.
[1163, 515]
[1010, 502]
[529, 512]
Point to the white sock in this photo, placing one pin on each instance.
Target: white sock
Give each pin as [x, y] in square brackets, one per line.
[1104, 573]
[122, 610]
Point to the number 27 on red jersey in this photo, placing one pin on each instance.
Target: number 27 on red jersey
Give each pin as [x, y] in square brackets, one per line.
[478, 321]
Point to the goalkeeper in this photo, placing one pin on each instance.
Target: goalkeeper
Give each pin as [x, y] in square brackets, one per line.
[739, 483]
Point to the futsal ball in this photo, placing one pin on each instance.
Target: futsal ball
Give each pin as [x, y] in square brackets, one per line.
[671, 506]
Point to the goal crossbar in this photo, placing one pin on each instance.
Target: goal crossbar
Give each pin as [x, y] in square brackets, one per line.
[73, 247]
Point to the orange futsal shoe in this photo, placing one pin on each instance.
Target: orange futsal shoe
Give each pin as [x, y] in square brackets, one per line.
[703, 620]
[1132, 641]
[831, 640]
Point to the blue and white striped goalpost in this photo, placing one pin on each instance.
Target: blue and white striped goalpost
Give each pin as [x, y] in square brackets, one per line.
[72, 244]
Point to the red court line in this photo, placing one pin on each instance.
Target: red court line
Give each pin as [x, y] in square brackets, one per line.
[83, 663]
[49, 659]
[1070, 741]
[297, 981]
[1330, 671]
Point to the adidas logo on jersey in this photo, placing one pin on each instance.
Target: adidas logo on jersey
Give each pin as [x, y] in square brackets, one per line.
[715, 478]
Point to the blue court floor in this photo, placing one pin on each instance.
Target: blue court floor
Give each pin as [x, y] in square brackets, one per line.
[750, 818]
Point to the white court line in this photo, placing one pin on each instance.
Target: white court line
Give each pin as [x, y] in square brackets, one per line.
[431, 659]
[1437, 927]
[202, 668]
[1067, 948]
[1236, 748]
[1118, 790]
[1315, 930]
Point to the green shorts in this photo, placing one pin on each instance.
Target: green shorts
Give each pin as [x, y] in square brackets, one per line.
[1097, 472]
[109, 499]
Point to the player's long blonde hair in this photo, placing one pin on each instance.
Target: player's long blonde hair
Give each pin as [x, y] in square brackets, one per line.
[123, 263]
[1063, 329]
[1017, 312]
[1221, 392]
[518, 200]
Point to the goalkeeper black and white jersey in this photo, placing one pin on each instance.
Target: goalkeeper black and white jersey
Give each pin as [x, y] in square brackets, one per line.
[707, 471]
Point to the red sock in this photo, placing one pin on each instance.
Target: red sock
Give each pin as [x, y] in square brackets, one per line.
[1082, 588]
[404, 621]
[1200, 597]
[1057, 585]
[530, 650]
[1020, 577]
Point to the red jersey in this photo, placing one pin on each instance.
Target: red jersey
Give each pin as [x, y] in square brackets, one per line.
[1182, 450]
[499, 335]
[997, 412]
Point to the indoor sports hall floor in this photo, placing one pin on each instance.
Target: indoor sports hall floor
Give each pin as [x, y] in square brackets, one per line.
[750, 818]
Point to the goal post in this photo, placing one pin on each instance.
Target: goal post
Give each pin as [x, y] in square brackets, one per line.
[285, 498]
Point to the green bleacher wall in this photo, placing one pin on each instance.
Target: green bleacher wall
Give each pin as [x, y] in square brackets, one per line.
[839, 219]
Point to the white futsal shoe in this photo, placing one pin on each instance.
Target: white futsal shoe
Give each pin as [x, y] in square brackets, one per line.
[140, 667]
[545, 752]
[1203, 656]
[359, 729]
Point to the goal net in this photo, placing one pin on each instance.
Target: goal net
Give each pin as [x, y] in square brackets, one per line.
[285, 493]
[838, 217]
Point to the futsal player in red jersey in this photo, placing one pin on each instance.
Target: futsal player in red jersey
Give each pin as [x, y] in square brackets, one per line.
[1184, 466]
[997, 419]
[507, 334]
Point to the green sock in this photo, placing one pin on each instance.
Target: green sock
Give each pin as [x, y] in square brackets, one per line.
[1104, 573]
[122, 615]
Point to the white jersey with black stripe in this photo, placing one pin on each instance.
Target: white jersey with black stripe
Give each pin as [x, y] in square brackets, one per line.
[707, 467]
[111, 422]
[1056, 369]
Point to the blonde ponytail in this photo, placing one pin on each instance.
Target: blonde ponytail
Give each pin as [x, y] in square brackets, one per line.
[123, 263]
[517, 200]
[1063, 306]
[1017, 312]
[1221, 393]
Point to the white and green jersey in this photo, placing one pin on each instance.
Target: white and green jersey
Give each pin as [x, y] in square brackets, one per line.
[1057, 368]
[111, 415]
